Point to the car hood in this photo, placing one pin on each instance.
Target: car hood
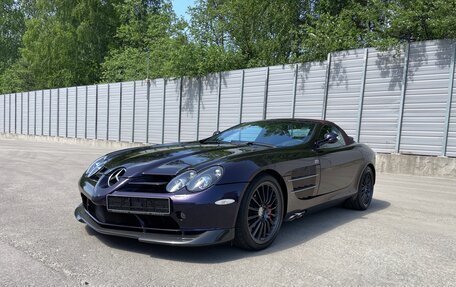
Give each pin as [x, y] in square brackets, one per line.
[172, 158]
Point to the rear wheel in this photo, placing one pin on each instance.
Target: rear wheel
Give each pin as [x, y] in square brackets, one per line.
[363, 198]
[260, 215]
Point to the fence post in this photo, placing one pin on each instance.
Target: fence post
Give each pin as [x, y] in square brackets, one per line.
[15, 113]
[22, 113]
[66, 112]
[148, 111]
[4, 114]
[242, 96]
[28, 113]
[163, 112]
[295, 84]
[34, 115]
[134, 113]
[58, 112]
[180, 108]
[361, 94]
[449, 101]
[42, 112]
[265, 101]
[85, 114]
[327, 80]
[107, 112]
[9, 114]
[219, 95]
[76, 114]
[96, 111]
[403, 92]
[50, 112]
[120, 111]
[199, 109]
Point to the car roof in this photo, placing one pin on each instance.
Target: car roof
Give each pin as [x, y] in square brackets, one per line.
[295, 120]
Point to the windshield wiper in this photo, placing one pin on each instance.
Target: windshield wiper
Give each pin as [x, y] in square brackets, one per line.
[214, 142]
[253, 143]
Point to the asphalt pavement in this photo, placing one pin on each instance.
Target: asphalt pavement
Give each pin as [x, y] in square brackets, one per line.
[406, 238]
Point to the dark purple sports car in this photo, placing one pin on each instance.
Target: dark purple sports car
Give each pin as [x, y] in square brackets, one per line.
[238, 185]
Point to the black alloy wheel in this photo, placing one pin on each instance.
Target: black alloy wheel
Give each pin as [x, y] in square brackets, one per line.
[261, 214]
[363, 198]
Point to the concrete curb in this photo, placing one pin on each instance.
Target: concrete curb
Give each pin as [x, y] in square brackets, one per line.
[386, 163]
[416, 165]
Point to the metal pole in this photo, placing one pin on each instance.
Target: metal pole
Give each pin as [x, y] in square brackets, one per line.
[219, 94]
[50, 111]
[148, 110]
[134, 112]
[403, 92]
[120, 112]
[96, 111]
[295, 84]
[42, 112]
[15, 113]
[180, 109]
[9, 114]
[361, 94]
[327, 80]
[265, 101]
[449, 101]
[199, 108]
[242, 96]
[66, 113]
[163, 111]
[76, 114]
[4, 113]
[22, 112]
[34, 115]
[107, 113]
[58, 112]
[86, 110]
[28, 113]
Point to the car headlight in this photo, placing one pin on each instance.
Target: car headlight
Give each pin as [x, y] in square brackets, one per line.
[96, 166]
[180, 181]
[205, 179]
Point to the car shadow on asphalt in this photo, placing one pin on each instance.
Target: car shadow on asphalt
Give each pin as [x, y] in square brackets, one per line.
[292, 234]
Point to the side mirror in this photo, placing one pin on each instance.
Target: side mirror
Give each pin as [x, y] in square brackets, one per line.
[328, 138]
[216, 133]
[331, 138]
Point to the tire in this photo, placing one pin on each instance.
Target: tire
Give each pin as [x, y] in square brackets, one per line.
[363, 198]
[260, 215]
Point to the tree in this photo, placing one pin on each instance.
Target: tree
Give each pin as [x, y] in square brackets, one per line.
[147, 38]
[11, 29]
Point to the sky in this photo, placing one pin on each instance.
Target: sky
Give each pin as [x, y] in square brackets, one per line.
[180, 7]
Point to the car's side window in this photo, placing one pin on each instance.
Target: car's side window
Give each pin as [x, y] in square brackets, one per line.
[330, 128]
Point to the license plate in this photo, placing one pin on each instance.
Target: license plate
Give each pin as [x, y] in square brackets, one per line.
[138, 205]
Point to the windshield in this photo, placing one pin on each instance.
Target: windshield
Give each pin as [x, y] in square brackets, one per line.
[277, 133]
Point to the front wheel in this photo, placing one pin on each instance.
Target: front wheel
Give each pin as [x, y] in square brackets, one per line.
[260, 215]
[362, 199]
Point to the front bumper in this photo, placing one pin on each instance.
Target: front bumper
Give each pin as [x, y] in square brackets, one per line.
[209, 237]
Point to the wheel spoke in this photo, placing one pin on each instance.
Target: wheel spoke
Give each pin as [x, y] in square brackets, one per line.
[263, 212]
[252, 217]
[256, 202]
[253, 208]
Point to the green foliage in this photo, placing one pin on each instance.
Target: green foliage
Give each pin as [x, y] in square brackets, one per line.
[11, 29]
[53, 43]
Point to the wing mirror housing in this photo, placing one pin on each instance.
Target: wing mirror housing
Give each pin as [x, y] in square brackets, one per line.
[328, 138]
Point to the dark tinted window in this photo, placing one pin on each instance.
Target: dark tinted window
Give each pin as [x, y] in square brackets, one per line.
[280, 133]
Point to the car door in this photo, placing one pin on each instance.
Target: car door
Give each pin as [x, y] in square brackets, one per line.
[339, 162]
